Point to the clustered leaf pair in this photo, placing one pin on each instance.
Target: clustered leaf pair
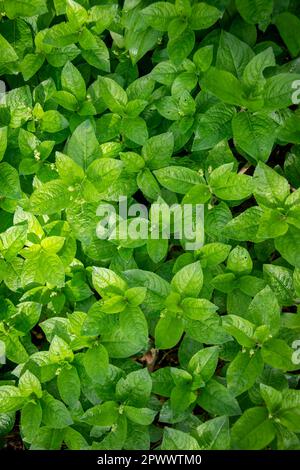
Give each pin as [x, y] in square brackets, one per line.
[111, 343]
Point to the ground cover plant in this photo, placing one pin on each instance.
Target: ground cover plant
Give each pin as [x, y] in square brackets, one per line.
[133, 342]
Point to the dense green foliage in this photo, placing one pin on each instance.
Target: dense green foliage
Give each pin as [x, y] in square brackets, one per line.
[132, 344]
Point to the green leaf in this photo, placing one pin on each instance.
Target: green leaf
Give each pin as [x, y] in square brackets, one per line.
[73, 82]
[203, 365]
[203, 16]
[15, 8]
[113, 95]
[243, 371]
[30, 65]
[203, 58]
[173, 439]
[272, 397]
[289, 412]
[198, 309]
[198, 194]
[272, 224]
[55, 414]
[253, 430]
[9, 181]
[213, 254]
[253, 75]
[277, 91]
[218, 400]
[31, 418]
[95, 361]
[135, 129]
[217, 118]
[115, 439]
[280, 279]
[10, 399]
[53, 121]
[60, 351]
[214, 434]
[13, 240]
[189, 280]
[287, 25]
[157, 288]
[135, 388]
[180, 46]
[162, 381]
[105, 414]
[74, 440]
[143, 416]
[245, 225]
[255, 11]
[178, 179]
[264, 310]
[288, 246]
[277, 353]
[158, 150]
[103, 171]
[68, 384]
[240, 328]
[224, 85]
[107, 282]
[233, 54]
[239, 261]
[49, 198]
[76, 14]
[136, 295]
[255, 134]
[159, 14]
[133, 161]
[168, 331]
[94, 50]
[230, 186]
[29, 384]
[127, 335]
[48, 438]
[83, 146]
[61, 35]
[9, 54]
[68, 170]
[148, 184]
[271, 189]
[164, 72]
[157, 249]
[43, 268]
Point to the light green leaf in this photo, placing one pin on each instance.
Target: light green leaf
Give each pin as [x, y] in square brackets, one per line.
[49, 198]
[173, 439]
[73, 82]
[214, 434]
[271, 189]
[178, 179]
[83, 146]
[188, 281]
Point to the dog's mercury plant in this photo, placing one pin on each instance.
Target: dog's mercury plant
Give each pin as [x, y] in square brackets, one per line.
[140, 342]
